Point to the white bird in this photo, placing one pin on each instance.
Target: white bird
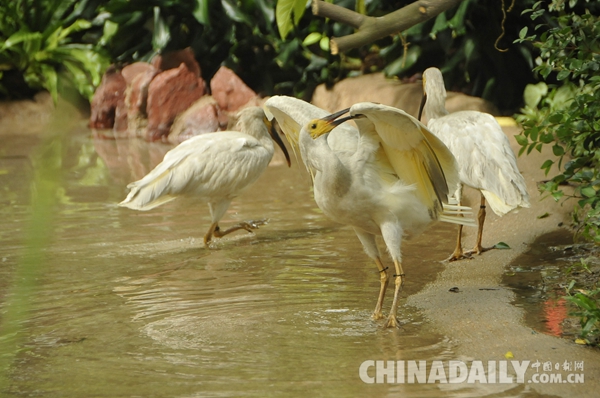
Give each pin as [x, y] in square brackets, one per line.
[485, 159]
[390, 177]
[213, 167]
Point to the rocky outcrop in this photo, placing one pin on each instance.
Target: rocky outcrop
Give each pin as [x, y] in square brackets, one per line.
[170, 93]
[202, 117]
[106, 99]
[153, 95]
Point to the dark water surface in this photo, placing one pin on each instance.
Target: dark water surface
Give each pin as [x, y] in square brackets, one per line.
[131, 304]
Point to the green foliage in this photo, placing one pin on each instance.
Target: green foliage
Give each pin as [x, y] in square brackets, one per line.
[564, 114]
[588, 303]
[288, 14]
[461, 42]
[42, 39]
[243, 36]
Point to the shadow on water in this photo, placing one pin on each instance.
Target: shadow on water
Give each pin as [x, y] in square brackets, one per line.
[539, 280]
[132, 304]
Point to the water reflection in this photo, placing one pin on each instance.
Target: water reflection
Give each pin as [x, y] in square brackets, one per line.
[131, 303]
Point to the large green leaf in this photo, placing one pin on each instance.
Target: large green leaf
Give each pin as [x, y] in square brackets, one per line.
[161, 35]
[201, 12]
[288, 14]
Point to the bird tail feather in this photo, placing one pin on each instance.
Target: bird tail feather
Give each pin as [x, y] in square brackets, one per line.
[149, 192]
[454, 214]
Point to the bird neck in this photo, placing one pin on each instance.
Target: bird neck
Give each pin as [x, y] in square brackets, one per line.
[435, 107]
[316, 153]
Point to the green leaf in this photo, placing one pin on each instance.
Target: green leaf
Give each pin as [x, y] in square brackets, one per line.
[288, 14]
[50, 80]
[440, 24]
[403, 63]
[523, 32]
[563, 74]
[588, 192]
[201, 12]
[521, 140]
[324, 44]
[501, 245]
[161, 35]
[235, 13]
[547, 164]
[533, 94]
[312, 38]
[558, 150]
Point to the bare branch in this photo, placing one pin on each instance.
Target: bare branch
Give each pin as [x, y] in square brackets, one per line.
[338, 14]
[370, 29]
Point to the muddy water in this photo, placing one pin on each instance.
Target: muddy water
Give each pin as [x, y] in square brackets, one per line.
[539, 279]
[131, 304]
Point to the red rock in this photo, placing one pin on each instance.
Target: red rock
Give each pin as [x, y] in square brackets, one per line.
[120, 116]
[230, 92]
[131, 71]
[170, 93]
[104, 102]
[173, 59]
[136, 100]
[201, 117]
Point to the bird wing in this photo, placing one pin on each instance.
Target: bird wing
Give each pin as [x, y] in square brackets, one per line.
[210, 165]
[416, 155]
[485, 158]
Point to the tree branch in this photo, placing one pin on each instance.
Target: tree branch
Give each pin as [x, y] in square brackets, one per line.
[370, 29]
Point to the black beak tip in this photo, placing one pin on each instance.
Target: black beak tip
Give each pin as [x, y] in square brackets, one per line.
[335, 115]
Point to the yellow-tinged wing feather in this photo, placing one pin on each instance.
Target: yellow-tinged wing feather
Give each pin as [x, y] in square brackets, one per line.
[415, 154]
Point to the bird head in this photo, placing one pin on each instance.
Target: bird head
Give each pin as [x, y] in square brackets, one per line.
[275, 136]
[433, 86]
[319, 127]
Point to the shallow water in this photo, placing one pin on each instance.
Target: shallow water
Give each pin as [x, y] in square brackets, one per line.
[539, 278]
[131, 304]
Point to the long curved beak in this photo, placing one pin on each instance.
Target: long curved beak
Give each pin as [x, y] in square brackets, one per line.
[422, 106]
[275, 135]
[333, 116]
[339, 121]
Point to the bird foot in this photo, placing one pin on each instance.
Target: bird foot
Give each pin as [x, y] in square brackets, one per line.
[392, 322]
[478, 250]
[460, 256]
[253, 224]
[377, 315]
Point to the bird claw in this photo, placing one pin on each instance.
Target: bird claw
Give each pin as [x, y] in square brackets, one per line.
[253, 224]
[461, 256]
[477, 250]
[392, 322]
[377, 315]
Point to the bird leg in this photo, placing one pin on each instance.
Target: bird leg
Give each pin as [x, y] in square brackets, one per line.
[383, 277]
[399, 282]
[458, 251]
[209, 234]
[246, 225]
[480, 219]
[215, 231]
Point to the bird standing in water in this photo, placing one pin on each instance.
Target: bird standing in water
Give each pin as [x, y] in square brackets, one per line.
[390, 177]
[213, 167]
[485, 159]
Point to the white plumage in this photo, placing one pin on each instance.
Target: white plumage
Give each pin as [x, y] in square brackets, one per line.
[390, 177]
[213, 167]
[485, 159]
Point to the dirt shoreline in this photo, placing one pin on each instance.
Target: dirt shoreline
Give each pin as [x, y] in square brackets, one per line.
[483, 324]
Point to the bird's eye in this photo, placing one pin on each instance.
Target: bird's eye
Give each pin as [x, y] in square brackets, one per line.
[313, 126]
